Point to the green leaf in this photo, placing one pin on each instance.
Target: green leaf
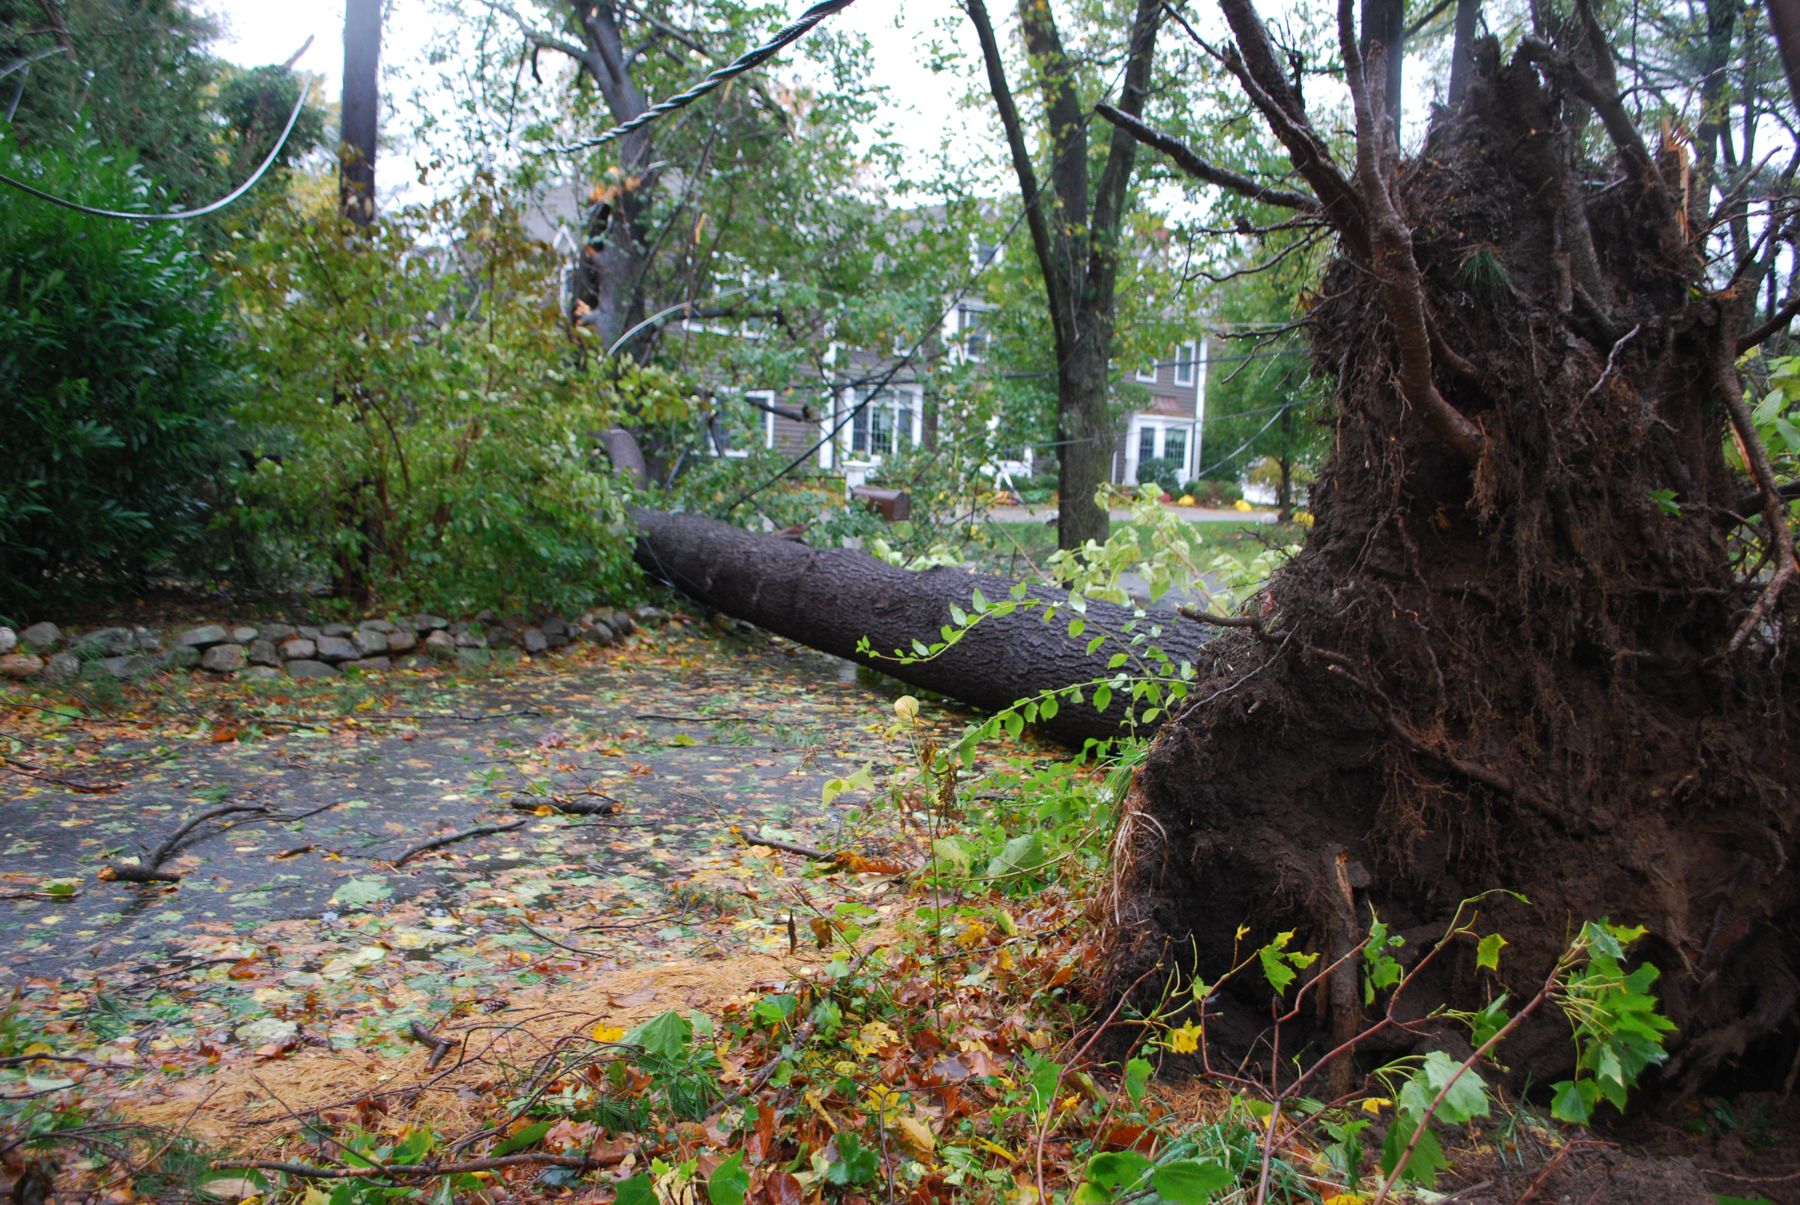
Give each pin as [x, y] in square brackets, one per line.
[1117, 1170]
[1116, 660]
[1076, 627]
[1570, 1105]
[1014, 723]
[1427, 1157]
[1190, 1181]
[854, 1165]
[666, 1035]
[1102, 696]
[1048, 708]
[978, 602]
[953, 851]
[729, 1183]
[1468, 1095]
[639, 1190]
[531, 1135]
[360, 893]
[1487, 952]
[1045, 1075]
[1021, 855]
[1790, 434]
[958, 616]
[1137, 1079]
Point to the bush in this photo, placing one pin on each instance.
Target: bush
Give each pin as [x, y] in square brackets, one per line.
[1163, 471]
[114, 378]
[1213, 494]
[418, 432]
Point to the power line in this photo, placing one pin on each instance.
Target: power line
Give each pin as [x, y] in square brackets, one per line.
[181, 215]
[738, 66]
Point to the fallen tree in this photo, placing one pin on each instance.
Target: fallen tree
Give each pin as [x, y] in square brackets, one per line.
[830, 599]
[1541, 637]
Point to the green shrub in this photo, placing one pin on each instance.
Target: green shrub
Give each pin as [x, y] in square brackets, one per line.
[416, 429]
[1211, 493]
[1164, 471]
[114, 378]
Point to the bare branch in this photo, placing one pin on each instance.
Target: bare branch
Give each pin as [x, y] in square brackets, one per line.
[1188, 161]
[1029, 187]
[1774, 326]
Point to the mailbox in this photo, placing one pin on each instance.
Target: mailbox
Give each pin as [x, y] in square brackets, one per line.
[892, 505]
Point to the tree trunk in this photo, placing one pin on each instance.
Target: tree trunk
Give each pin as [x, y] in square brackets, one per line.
[830, 599]
[1499, 662]
[1084, 437]
[361, 110]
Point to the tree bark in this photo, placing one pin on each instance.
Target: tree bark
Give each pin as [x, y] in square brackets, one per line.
[831, 598]
[1075, 232]
[361, 110]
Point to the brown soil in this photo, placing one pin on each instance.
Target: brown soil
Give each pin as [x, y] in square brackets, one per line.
[1507, 674]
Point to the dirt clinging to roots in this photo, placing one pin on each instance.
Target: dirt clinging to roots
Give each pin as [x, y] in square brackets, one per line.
[1513, 674]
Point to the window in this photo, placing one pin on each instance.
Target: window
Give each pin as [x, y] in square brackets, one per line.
[884, 427]
[1146, 444]
[1146, 375]
[972, 332]
[1187, 360]
[1175, 447]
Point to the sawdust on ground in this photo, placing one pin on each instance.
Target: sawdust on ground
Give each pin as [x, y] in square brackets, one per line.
[247, 1107]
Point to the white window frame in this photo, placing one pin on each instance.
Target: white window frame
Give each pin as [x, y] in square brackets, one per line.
[1159, 444]
[1144, 378]
[1187, 364]
[849, 399]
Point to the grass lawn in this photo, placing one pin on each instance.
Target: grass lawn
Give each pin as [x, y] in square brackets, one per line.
[1011, 543]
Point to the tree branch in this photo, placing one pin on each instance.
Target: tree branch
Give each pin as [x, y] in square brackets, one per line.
[1109, 194]
[1184, 157]
[1014, 128]
[1267, 86]
[1774, 326]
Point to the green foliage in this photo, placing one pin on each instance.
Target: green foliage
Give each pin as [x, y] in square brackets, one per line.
[416, 430]
[115, 372]
[1618, 1032]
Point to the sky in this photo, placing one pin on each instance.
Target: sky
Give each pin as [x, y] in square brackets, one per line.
[257, 32]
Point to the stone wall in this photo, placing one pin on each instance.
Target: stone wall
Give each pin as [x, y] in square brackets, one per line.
[274, 650]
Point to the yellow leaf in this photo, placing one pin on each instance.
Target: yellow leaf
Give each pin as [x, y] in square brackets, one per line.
[1185, 1040]
[607, 1033]
[1375, 1104]
[543, 809]
[906, 707]
[39, 1048]
[917, 1135]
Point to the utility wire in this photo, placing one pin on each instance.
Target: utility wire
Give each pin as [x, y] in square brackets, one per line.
[181, 215]
[746, 62]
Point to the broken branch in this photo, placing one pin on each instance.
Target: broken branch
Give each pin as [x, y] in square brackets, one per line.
[440, 1046]
[409, 1170]
[449, 838]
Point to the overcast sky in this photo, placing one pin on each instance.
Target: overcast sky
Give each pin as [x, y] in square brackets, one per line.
[257, 32]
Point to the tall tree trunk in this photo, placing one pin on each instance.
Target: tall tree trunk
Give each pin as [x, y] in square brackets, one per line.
[361, 110]
[1499, 661]
[1075, 222]
[1462, 48]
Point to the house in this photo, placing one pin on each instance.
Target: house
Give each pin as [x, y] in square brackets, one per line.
[874, 405]
[1164, 436]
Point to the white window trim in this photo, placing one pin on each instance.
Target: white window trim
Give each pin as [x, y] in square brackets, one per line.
[1187, 359]
[1159, 445]
[767, 397]
[1144, 378]
[846, 439]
